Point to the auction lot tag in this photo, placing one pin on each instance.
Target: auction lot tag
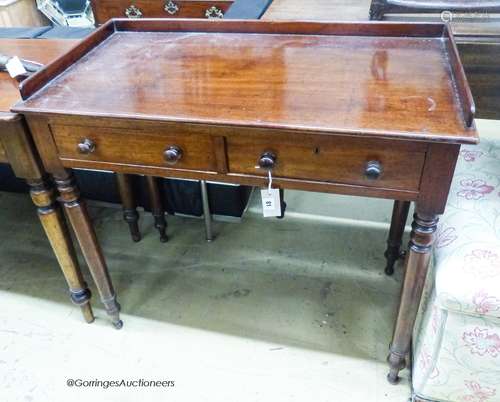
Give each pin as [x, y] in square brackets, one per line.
[15, 67]
[271, 203]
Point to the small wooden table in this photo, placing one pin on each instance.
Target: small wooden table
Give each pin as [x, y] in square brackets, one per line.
[367, 109]
[17, 149]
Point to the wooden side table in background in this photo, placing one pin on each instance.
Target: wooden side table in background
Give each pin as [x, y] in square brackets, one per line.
[17, 149]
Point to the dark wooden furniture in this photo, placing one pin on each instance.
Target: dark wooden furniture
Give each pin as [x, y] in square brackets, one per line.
[369, 109]
[129, 202]
[480, 53]
[107, 9]
[157, 208]
[17, 149]
[398, 222]
[380, 8]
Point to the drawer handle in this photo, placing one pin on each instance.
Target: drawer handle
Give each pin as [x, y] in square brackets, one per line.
[172, 154]
[133, 12]
[267, 160]
[214, 13]
[171, 7]
[373, 170]
[86, 146]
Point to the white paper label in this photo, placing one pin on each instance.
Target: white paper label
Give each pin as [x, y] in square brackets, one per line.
[271, 203]
[15, 67]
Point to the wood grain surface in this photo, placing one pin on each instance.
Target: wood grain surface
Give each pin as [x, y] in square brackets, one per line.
[399, 86]
[41, 51]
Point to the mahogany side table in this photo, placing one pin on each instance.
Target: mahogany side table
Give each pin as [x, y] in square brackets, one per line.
[367, 109]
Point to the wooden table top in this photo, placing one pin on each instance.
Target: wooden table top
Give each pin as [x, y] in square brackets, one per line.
[39, 50]
[42, 51]
[370, 82]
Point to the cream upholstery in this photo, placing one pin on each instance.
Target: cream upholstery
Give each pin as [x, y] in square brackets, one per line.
[456, 355]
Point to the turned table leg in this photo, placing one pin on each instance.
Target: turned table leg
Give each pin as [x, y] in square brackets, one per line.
[85, 234]
[16, 140]
[398, 222]
[417, 262]
[130, 214]
[157, 207]
[56, 230]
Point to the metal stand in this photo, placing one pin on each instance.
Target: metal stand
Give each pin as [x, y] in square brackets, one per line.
[206, 211]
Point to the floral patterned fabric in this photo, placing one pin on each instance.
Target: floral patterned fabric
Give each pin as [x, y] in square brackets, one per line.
[467, 250]
[456, 354]
[456, 357]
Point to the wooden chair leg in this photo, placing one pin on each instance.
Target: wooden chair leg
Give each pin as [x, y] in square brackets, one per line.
[55, 227]
[398, 222]
[130, 214]
[76, 211]
[157, 207]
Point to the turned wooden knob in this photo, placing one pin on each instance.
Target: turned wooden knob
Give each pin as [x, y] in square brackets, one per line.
[86, 146]
[267, 160]
[172, 154]
[373, 170]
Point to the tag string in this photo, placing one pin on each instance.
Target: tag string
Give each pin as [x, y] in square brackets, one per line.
[270, 181]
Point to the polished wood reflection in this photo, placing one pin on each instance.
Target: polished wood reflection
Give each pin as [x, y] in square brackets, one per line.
[323, 81]
[41, 51]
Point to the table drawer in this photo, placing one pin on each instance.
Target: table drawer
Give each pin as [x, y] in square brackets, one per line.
[338, 159]
[136, 147]
[106, 9]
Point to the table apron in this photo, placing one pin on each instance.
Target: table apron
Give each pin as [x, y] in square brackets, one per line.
[244, 179]
[308, 161]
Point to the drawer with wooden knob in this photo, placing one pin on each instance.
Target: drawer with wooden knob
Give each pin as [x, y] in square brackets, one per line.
[153, 148]
[107, 9]
[338, 159]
